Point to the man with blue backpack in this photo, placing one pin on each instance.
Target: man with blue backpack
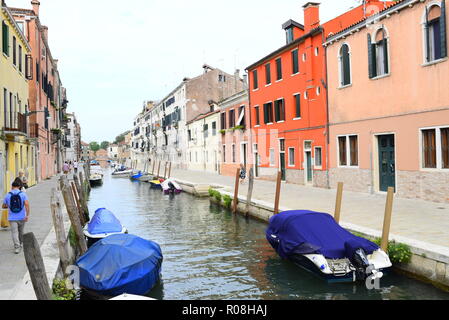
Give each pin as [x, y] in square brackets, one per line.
[19, 211]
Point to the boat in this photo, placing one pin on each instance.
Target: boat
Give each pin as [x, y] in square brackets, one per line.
[156, 184]
[103, 224]
[146, 178]
[122, 172]
[137, 176]
[318, 244]
[118, 264]
[170, 186]
[96, 178]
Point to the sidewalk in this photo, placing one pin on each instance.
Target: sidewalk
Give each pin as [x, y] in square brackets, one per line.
[13, 267]
[414, 219]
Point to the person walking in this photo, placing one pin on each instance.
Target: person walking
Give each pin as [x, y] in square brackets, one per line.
[242, 173]
[18, 207]
[24, 179]
[65, 168]
[75, 166]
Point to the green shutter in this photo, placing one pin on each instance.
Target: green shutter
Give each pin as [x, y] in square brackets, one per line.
[443, 29]
[371, 61]
[5, 35]
[385, 45]
[346, 65]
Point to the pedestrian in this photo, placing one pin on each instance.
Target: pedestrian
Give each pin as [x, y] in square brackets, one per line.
[65, 168]
[242, 173]
[75, 166]
[24, 179]
[18, 207]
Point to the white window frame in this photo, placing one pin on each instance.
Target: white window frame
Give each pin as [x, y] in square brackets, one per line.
[438, 147]
[348, 151]
[373, 36]
[290, 164]
[424, 36]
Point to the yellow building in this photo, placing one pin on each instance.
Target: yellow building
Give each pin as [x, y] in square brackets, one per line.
[17, 149]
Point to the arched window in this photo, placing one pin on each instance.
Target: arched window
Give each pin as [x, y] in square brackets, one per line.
[378, 54]
[345, 65]
[435, 32]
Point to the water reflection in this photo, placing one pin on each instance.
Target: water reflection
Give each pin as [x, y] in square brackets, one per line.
[209, 253]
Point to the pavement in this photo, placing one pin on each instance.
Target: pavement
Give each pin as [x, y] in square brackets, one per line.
[12, 266]
[420, 220]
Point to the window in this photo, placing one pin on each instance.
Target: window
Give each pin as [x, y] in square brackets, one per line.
[348, 146]
[214, 128]
[297, 106]
[268, 74]
[318, 157]
[233, 153]
[256, 80]
[268, 112]
[345, 66]
[231, 118]
[435, 32]
[279, 110]
[5, 38]
[29, 66]
[224, 153]
[206, 131]
[435, 148]
[295, 62]
[242, 120]
[378, 54]
[279, 69]
[256, 110]
[291, 157]
[282, 145]
[14, 50]
[289, 33]
[223, 121]
[20, 58]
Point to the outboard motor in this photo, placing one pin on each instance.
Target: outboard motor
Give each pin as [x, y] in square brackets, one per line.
[172, 187]
[359, 260]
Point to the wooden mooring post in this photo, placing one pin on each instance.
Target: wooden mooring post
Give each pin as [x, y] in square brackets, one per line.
[236, 192]
[58, 223]
[82, 196]
[278, 193]
[337, 214]
[78, 204]
[36, 267]
[250, 191]
[387, 219]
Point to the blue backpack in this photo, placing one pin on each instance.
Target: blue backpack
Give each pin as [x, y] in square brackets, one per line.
[15, 203]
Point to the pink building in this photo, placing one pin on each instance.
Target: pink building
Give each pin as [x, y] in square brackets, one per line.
[388, 104]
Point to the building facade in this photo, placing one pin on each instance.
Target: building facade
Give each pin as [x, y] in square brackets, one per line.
[72, 141]
[17, 150]
[389, 104]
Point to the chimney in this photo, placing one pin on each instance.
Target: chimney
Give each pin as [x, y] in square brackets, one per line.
[35, 4]
[236, 79]
[311, 16]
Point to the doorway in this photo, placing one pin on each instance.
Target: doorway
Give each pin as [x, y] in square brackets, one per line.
[387, 162]
[308, 170]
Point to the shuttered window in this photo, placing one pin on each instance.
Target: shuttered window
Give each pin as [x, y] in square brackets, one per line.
[295, 62]
[14, 51]
[297, 105]
[278, 69]
[268, 112]
[20, 58]
[231, 118]
[429, 149]
[342, 151]
[268, 73]
[256, 110]
[255, 80]
[223, 121]
[354, 150]
[5, 39]
[435, 32]
[345, 66]
[279, 110]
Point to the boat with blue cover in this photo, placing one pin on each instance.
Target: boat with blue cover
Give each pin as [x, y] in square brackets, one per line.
[119, 264]
[317, 243]
[103, 224]
[137, 176]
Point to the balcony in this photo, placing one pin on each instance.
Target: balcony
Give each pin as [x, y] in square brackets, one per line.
[16, 125]
[34, 130]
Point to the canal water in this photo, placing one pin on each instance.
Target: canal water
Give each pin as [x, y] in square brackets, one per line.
[210, 254]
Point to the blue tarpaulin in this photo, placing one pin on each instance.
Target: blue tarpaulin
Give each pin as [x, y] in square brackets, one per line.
[104, 221]
[308, 232]
[121, 264]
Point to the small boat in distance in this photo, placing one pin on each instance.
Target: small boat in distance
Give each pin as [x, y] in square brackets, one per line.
[122, 172]
[156, 184]
[137, 176]
[96, 175]
[103, 224]
[118, 264]
[170, 186]
[317, 243]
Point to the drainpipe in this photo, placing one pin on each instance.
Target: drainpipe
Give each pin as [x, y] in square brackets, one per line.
[248, 86]
[327, 114]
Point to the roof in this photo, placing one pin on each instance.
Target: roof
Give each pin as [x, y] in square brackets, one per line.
[290, 23]
[203, 116]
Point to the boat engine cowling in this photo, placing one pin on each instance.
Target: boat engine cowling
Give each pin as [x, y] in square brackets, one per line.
[359, 260]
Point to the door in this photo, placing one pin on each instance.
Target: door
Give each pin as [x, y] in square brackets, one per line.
[309, 172]
[282, 159]
[387, 162]
[256, 164]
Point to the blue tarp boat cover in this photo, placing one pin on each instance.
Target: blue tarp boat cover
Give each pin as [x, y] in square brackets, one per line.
[137, 176]
[104, 221]
[308, 232]
[121, 264]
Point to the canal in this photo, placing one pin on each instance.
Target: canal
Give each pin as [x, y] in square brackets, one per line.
[210, 254]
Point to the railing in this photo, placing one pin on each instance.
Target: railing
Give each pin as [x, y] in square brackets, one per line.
[17, 124]
[34, 130]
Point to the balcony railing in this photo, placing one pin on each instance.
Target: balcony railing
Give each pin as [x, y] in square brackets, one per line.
[34, 130]
[16, 124]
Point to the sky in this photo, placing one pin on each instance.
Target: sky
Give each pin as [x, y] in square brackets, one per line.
[114, 54]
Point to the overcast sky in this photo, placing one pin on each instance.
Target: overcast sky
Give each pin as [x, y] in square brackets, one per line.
[115, 54]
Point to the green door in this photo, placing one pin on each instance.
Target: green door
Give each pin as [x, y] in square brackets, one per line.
[309, 166]
[387, 162]
[283, 166]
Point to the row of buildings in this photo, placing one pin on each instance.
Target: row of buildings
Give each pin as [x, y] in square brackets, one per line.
[34, 123]
[361, 99]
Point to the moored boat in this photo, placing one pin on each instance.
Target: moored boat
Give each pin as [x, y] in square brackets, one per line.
[156, 184]
[137, 176]
[103, 224]
[170, 186]
[96, 178]
[119, 264]
[122, 172]
[317, 243]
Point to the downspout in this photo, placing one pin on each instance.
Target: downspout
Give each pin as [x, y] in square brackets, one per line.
[327, 115]
[253, 163]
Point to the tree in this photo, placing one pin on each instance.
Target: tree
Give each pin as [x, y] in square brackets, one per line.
[104, 145]
[94, 146]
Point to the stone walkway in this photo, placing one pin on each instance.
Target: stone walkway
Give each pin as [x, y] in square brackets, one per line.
[13, 267]
[414, 219]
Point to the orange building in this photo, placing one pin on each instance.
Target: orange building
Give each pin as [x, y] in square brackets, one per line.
[288, 99]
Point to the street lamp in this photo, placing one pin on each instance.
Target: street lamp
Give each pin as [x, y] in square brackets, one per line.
[47, 113]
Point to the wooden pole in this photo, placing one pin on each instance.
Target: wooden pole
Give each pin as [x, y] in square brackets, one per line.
[74, 217]
[78, 205]
[387, 219]
[236, 191]
[250, 190]
[58, 223]
[337, 214]
[169, 171]
[82, 197]
[158, 169]
[278, 193]
[36, 267]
